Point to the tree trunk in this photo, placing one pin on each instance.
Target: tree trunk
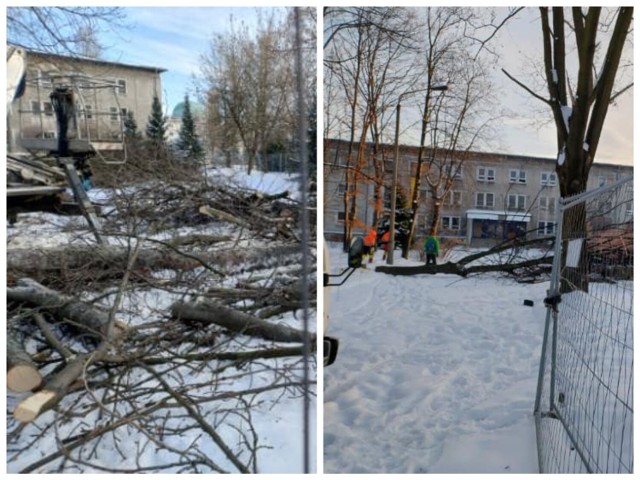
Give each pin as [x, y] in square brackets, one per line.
[460, 269]
[31, 407]
[30, 262]
[237, 322]
[22, 373]
[94, 321]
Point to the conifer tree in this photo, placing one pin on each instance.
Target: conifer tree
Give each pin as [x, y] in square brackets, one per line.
[131, 126]
[157, 124]
[156, 130]
[188, 141]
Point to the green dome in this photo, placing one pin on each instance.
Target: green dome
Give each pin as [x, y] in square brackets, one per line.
[196, 109]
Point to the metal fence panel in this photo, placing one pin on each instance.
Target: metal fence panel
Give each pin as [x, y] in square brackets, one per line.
[584, 402]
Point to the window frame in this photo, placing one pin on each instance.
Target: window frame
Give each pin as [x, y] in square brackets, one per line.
[486, 176]
[546, 227]
[520, 178]
[517, 196]
[121, 86]
[450, 222]
[450, 199]
[47, 109]
[548, 182]
[485, 204]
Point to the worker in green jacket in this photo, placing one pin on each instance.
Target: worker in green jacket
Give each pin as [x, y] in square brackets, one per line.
[431, 249]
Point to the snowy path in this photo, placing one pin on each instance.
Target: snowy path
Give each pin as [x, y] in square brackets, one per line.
[434, 374]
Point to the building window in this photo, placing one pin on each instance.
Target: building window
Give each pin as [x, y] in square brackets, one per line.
[454, 171]
[422, 222]
[484, 200]
[547, 204]
[342, 188]
[548, 179]
[49, 135]
[606, 180]
[341, 217]
[485, 174]
[453, 198]
[518, 176]
[450, 223]
[35, 107]
[423, 194]
[546, 228]
[114, 114]
[88, 111]
[48, 109]
[517, 201]
[122, 87]
[33, 74]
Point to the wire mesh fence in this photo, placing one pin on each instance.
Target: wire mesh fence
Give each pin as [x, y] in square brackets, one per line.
[584, 402]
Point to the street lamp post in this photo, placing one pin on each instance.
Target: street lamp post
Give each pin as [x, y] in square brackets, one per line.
[394, 188]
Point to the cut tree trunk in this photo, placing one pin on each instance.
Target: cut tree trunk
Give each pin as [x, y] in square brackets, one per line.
[30, 292]
[92, 256]
[460, 269]
[22, 373]
[237, 321]
[31, 407]
[26, 261]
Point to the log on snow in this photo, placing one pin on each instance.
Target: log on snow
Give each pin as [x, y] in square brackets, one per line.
[236, 321]
[108, 258]
[31, 407]
[27, 261]
[61, 306]
[22, 374]
[463, 271]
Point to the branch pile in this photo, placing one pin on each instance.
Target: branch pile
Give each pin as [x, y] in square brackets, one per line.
[174, 375]
[159, 348]
[267, 216]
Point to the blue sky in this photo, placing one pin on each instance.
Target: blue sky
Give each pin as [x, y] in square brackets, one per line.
[173, 38]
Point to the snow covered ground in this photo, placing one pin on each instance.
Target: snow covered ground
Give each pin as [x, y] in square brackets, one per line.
[278, 416]
[435, 373]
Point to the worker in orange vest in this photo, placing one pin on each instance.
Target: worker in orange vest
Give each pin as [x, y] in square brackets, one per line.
[385, 243]
[369, 243]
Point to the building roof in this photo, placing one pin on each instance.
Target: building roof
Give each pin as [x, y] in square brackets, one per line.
[476, 155]
[94, 61]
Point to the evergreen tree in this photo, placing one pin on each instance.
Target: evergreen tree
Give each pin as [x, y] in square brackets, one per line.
[157, 124]
[130, 126]
[157, 130]
[188, 141]
[402, 221]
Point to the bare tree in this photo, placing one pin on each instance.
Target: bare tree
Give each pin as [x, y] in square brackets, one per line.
[460, 120]
[454, 40]
[367, 56]
[62, 30]
[579, 101]
[253, 79]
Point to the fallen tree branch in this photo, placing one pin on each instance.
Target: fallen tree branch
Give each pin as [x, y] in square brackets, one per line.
[236, 321]
[29, 291]
[459, 269]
